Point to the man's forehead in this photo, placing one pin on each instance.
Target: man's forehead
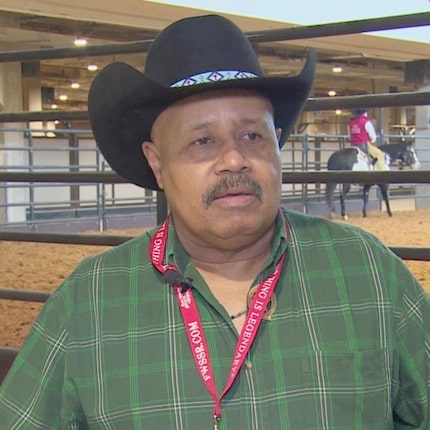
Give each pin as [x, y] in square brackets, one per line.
[183, 107]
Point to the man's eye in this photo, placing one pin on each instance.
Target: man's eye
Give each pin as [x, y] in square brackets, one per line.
[252, 136]
[202, 141]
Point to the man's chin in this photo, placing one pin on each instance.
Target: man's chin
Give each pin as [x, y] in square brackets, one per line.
[238, 222]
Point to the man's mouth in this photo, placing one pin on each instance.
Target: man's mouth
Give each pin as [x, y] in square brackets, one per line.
[233, 188]
[234, 193]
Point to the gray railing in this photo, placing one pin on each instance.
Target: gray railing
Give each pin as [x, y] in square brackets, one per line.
[60, 180]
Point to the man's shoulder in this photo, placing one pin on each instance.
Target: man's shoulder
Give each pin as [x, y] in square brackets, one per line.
[113, 269]
[307, 227]
[124, 255]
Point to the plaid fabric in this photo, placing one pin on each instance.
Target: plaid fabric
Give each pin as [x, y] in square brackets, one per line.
[347, 348]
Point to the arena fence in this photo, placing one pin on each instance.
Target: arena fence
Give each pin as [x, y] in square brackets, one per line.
[382, 100]
[65, 207]
[407, 253]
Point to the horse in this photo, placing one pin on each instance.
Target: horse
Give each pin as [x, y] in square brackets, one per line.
[354, 159]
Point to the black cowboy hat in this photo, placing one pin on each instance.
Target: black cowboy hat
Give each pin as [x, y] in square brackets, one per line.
[188, 57]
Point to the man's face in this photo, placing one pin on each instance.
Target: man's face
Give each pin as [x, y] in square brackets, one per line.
[217, 158]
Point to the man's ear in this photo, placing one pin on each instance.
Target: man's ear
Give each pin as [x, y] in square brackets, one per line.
[152, 155]
[278, 133]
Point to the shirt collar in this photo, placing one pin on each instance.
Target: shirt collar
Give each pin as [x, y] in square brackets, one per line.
[176, 254]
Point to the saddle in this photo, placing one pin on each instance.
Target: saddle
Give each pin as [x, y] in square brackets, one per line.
[365, 162]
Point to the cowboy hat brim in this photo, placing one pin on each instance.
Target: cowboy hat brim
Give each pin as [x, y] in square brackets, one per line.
[123, 104]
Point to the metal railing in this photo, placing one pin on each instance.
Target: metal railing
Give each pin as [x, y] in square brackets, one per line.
[58, 182]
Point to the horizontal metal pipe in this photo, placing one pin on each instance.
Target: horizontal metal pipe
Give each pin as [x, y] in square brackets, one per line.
[419, 98]
[46, 115]
[24, 295]
[412, 253]
[72, 239]
[304, 32]
[339, 176]
[341, 28]
[59, 177]
[7, 355]
[137, 47]
[356, 177]
[4, 350]
[404, 252]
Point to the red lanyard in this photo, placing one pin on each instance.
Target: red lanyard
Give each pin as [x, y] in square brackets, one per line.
[194, 327]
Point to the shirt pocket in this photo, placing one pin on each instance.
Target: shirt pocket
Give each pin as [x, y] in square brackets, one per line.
[349, 389]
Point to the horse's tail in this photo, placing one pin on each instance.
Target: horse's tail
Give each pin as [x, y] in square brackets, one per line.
[329, 191]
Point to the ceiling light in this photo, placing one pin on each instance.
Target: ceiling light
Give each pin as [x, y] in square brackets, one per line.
[92, 67]
[75, 85]
[54, 106]
[338, 111]
[80, 42]
[332, 93]
[63, 97]
[337, 69]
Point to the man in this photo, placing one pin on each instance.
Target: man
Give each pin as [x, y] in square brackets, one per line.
[362, 135]
[234, 313]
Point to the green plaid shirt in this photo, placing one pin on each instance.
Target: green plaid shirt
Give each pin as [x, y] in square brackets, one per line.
[348, 345]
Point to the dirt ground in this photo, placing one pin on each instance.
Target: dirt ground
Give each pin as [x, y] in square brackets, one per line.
[42, 267]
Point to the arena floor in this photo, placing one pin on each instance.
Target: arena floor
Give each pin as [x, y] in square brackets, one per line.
[42, 267]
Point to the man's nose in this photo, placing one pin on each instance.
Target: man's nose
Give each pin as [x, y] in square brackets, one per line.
[233, 157]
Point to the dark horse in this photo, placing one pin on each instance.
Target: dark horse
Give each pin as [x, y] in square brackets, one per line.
[349, 159]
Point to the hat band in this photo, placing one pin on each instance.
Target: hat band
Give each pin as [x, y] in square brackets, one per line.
[217, 76]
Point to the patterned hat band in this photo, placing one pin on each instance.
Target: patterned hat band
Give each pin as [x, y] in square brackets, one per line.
[217, 76]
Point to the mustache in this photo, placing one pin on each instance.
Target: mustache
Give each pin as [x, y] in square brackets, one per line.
[227, 183]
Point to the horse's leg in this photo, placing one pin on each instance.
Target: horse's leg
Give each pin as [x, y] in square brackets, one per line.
[366, 189]
[384, 192]
[344, 192]
[329, 190]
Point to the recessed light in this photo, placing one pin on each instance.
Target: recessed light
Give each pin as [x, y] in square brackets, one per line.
[337, 69]
[332, 93]
[92, 67]
[80, 42]
[338, 111]
[63, 97]
[54, 106]
[75, 85]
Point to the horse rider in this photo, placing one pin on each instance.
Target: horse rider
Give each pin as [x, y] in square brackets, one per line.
[362, 135]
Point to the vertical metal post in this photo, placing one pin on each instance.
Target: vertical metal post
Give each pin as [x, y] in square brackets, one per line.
[305, 159]
[31, 184]
[317, 157]
[162, 207]
[380, 127]
[73, 166]
[101, 195]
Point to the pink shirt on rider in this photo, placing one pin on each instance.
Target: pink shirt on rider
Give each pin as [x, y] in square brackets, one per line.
[361, 130]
